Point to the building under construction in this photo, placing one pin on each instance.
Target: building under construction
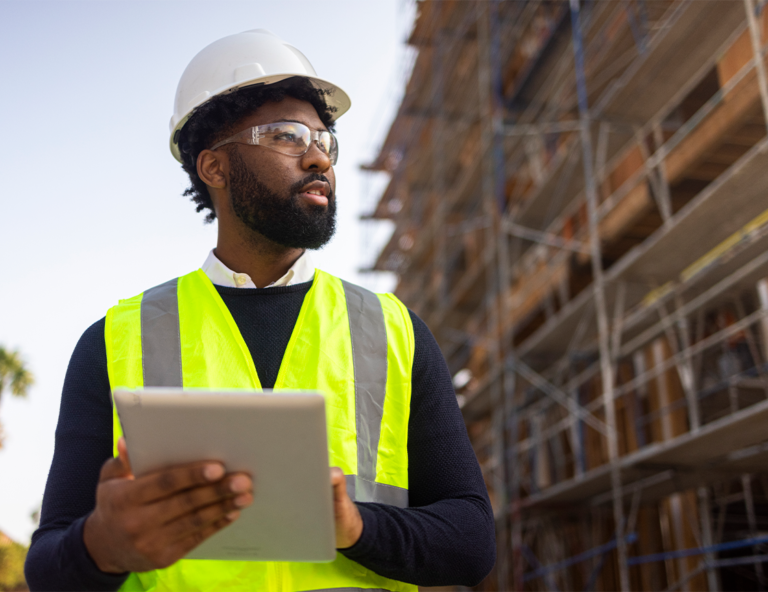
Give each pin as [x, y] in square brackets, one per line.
[580, 199]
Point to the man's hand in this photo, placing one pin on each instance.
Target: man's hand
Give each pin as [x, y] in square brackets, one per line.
[349, 524]
[150, 522]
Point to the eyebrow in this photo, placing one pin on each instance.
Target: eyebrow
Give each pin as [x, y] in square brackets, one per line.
[324, 129]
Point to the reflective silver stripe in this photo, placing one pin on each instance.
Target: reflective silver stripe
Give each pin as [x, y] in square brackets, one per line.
[369, 358]
[362, 490]
[160, 336]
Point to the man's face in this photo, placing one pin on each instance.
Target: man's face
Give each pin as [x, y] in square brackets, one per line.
[290, 200]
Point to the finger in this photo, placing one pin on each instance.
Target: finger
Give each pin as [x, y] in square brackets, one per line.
[122, 451]
[167, 482]
[112, 469]
[115, 468]
[183, 546]
[236, 490]
[198, 521]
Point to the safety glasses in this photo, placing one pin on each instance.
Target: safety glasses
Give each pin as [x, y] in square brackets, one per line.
[287, 137]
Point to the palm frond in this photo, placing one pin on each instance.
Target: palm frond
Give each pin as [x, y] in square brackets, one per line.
[14, 373]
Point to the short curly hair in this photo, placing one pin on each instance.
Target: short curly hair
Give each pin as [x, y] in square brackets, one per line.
[218, 118]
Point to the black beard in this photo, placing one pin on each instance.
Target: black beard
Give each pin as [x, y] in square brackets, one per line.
[281, 218]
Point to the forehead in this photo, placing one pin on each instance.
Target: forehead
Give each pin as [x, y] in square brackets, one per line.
[289, 109]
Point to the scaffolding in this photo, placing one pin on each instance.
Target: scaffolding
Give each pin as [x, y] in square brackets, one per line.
[580, 199]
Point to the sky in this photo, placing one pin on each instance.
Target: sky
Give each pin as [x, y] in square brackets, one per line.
[91, 197]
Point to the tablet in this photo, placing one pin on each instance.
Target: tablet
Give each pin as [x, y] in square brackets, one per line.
[280, 439]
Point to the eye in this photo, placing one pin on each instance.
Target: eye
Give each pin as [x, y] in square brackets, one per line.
[286, 136]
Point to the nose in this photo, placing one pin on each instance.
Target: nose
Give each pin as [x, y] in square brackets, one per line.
[316, 159]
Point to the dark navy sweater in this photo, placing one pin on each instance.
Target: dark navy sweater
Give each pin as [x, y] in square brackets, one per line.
[445, 537]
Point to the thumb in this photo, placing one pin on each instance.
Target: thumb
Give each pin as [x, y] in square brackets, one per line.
[339, 483]
[118, 467]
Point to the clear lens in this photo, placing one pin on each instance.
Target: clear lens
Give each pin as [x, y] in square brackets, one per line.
[294, 138]
[327, 143]
[287, 137]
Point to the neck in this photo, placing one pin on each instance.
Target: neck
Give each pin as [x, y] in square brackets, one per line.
[263, 260]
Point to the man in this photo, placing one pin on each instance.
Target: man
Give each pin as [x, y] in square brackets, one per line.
[253, 129]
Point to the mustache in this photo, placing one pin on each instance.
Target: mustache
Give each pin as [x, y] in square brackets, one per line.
[294, 189]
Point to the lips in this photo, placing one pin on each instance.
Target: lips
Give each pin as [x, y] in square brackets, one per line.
[316, 193]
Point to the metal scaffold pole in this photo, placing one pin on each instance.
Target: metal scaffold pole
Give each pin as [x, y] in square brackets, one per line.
[438, 163]
[497, 280]
[598, 289]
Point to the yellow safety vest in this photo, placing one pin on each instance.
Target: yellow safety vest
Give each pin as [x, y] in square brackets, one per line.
[354, 346]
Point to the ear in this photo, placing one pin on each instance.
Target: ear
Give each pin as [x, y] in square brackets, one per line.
[213, 168]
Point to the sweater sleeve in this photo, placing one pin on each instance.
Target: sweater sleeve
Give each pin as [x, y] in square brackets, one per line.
[57, 558]
[446, 536]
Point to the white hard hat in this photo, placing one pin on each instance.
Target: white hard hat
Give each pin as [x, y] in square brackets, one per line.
[251, 57]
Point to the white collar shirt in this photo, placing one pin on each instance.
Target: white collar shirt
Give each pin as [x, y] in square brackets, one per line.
[303, 270]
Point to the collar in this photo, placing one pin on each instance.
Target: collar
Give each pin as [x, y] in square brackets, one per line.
[303, 270]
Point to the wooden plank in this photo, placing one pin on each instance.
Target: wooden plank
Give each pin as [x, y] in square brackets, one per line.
[665, 395]
[531, 290]
[734, 59]
[623, 170]
[683, 524]
[739, 54]
[731, 114]
[627, 212]
[595, 444]
[666, 522]
[626, 413]
[653, 574]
